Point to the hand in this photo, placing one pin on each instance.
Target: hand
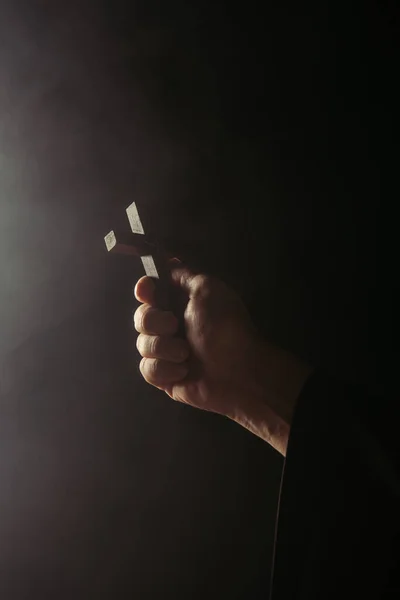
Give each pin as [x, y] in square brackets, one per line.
[223, 365]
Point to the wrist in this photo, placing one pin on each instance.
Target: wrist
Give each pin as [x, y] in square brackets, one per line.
[275, 385]
[262, 421]
[280, 379]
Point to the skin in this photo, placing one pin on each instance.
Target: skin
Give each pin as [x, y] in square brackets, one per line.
[223, 365]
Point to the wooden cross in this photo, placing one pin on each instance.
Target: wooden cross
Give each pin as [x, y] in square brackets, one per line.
[154, 257]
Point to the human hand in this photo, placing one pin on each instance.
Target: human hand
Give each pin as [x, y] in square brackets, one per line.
[223, 366]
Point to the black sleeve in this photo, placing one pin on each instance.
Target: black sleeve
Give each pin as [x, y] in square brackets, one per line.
[338, 520]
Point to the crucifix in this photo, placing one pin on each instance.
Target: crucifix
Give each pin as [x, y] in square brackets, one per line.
[153, 255]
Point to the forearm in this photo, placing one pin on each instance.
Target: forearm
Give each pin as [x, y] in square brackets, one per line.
[279, 377]
[263, 422]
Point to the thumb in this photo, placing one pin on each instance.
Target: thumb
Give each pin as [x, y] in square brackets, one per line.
[188, 280]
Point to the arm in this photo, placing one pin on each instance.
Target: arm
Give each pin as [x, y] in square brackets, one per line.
[223, 365]
[338, 509]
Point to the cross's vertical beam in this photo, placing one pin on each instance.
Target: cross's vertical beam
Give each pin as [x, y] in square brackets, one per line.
[153, 256]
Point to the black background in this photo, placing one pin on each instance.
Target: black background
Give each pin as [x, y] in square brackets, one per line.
[264, 136]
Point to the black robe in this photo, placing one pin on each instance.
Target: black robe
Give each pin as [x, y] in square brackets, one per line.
[338, 523]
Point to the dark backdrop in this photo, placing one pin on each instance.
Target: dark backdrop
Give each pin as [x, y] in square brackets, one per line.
[263, 136]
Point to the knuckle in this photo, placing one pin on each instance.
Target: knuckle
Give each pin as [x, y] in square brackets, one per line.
[139, 317]
[152, 368]
[145, 319]
[152, 321]
[202, 284]
[200, 281]
[155, 343]
[148, 368]
[142, 367]
[158, 372]
[136, 318]
[148, 345]
[140, 343]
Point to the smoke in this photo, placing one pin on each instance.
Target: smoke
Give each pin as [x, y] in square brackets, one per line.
[73, 135]
[77, 145]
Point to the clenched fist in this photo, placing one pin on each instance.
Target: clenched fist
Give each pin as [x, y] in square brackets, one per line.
[223, 365]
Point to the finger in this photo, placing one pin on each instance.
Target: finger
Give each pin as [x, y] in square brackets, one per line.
[155, 322]
[161, 372]
[165, 347]
[145, 291]
[189, 281]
